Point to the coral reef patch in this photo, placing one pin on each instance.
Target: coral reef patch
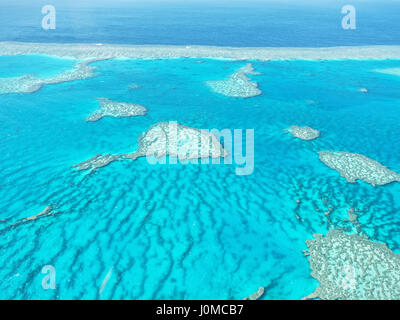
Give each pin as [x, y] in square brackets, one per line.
[22, 84]
[116, 109]
[354, 166]
[238, 85]
[30, 83]
[350, 267]
[96, 162]
[45, 213]
[173, 139]
[256, 295]
[134, 86]
[303, 133]
[86, 51]
[165, 139]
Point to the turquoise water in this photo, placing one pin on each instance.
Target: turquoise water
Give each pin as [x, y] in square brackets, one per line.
[194, 231]
[40, 66]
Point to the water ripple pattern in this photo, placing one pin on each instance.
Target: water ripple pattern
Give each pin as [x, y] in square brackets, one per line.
[133, 230]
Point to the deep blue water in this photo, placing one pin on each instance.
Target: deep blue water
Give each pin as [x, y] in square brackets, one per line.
[223, 23]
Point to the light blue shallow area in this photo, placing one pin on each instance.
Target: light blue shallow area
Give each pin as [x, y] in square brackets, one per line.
[40, 66]
[194, 231]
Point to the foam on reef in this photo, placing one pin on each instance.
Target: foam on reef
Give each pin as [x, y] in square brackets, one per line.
[90, 51]
[116, 109]
[350, 267]
[165, 139]
[238, 85]
[30, 83]
[354, 166]
[304, 133]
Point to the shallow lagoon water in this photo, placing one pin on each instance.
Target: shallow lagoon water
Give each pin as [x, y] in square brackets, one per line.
[41, 66]
[189, 231]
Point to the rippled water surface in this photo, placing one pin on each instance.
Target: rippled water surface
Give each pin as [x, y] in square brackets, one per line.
[238, 23]
[194, 231]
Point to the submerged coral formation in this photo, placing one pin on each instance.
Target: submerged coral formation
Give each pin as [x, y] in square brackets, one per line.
[354, 166]
[45, 213]
[238, 85]
[391, 71]
[96, 162]
[166, 139]
[30, 83]
[116, 109]
[353, 268]
[134, 86]
[22, 84]
[256, 295]
[85, 51]
[304, 133]
[173, 139]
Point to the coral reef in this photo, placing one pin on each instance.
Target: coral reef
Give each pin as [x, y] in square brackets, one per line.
[22, 84]
[96, 162]
[45, 213]
[353, 268]
[173, 139]
[86, 51]
[304, 133]
[256, 295]
[238, 85]
[354, 166]
[116, 109]
[165, 139]
[353, 219]
[134, 86]
[30, 83]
